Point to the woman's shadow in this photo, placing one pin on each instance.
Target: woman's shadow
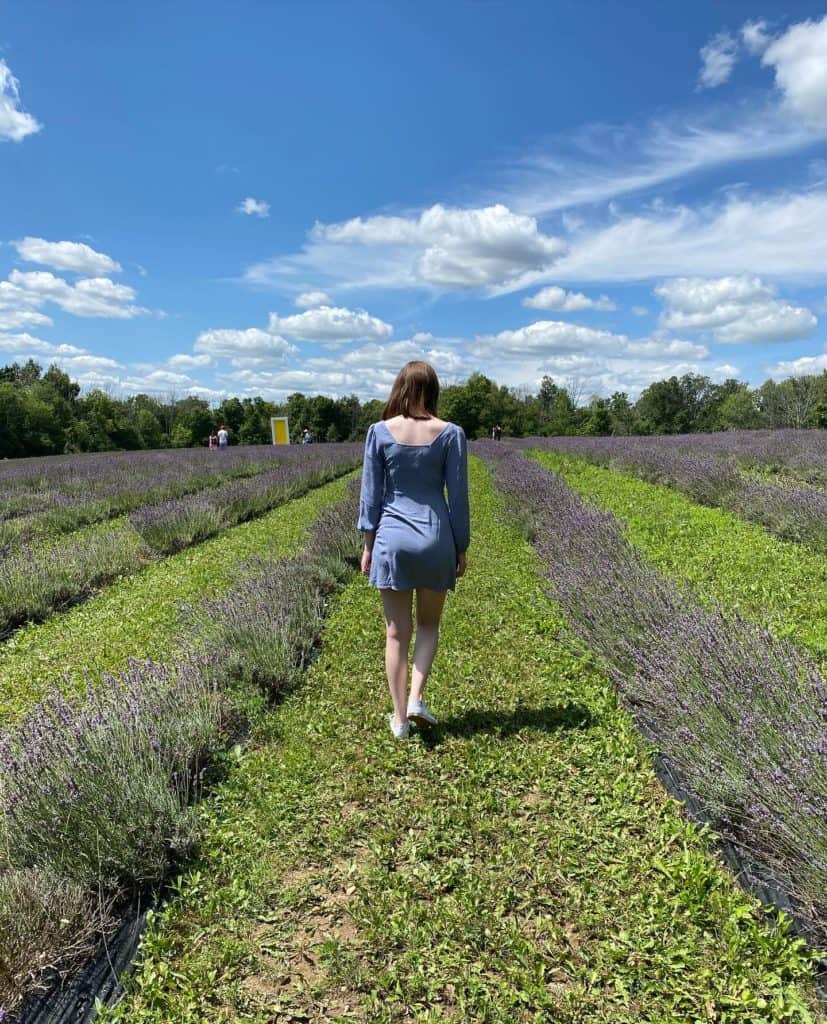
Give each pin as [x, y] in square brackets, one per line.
[550, 718]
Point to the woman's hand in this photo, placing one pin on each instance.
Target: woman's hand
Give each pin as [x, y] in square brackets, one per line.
[462, 563]
[367, 554]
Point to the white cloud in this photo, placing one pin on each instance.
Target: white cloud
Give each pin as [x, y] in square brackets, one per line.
[781, 236]
[332, 324]
[602, 162]
[462, 248]
[28, 343]
[735, 309]
[15, 123]
[239, 344]
[312, 298]
[442, 247]
[754, 37]
[252, 206]
[598, 373]
[799, 367]
[88, 297]
[658, 348]
[78, 362]
[94, 379]
[367, 371]
[86, 362]
[10, 319]
[66, 256]
[184, 361]
[546, 338]
[389, 358]
[157, 379]
[558, 298]
[717, 60]
[639, 310]
[210, 394]
[799, 58]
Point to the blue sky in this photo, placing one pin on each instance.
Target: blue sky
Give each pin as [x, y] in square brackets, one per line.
[259, 198]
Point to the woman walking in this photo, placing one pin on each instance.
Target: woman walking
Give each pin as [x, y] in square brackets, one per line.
[413, 539]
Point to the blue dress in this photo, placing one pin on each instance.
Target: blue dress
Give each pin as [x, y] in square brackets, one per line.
[418, 533]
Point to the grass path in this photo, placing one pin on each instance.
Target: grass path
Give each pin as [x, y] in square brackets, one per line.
[520, 863]
[140, 615]
[776, 582]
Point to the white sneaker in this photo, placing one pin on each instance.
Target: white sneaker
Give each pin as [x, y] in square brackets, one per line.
[420, 714]
[401, 732]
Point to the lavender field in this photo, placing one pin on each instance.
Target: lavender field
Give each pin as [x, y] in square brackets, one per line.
[777, 478]
[528, 827]
[173, 500]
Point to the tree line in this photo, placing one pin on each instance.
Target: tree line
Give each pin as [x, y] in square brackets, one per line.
[45, 413]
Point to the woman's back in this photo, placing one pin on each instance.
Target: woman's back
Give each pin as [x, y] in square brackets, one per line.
[416, 469]
[407, 430]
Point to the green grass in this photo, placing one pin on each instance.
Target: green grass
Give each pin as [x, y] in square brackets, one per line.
[519, 864]
[140, 615]
[775, 582]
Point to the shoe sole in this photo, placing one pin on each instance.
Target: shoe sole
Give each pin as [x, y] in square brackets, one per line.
[420, 720]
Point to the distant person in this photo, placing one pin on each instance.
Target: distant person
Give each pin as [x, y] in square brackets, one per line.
[498, 433]
[212, 442]
[307, 437]
[223, 437]
[414, 540]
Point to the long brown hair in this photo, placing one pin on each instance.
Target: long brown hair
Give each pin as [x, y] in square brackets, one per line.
[415, 392]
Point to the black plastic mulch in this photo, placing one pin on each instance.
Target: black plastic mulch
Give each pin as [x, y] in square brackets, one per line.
[100, 979]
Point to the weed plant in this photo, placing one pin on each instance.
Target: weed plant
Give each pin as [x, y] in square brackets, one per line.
[46, 923]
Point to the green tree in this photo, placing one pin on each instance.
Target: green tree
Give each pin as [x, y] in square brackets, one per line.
[196, 421]
[149, 429]
[231, 413]
[660, 407]
[599, 422]
[738, 410]
[622, 413]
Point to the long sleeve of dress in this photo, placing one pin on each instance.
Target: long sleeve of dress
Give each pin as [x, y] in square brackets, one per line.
[456, 482]
[373, 484]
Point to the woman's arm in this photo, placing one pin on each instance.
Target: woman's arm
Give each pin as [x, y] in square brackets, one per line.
[373, 491]
[456, 482]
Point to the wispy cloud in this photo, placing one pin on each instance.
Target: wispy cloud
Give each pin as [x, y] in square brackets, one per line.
[782, 235]
[718, 59]
[605, 162]
[254, 207]
[15, 123]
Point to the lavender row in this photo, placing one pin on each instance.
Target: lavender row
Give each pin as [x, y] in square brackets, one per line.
[174, 524]
[798, 454]
[790, 509]
[98, 792]
[48, 496]
[36, 580]
[742, 714]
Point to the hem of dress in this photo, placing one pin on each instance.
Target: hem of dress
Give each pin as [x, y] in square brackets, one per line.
[401, 590]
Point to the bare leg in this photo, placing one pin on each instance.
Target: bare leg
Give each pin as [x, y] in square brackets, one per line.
[429, 605]
[399, 627]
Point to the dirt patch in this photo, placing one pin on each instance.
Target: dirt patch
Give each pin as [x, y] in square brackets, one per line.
[320, 927]
[299, 876]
